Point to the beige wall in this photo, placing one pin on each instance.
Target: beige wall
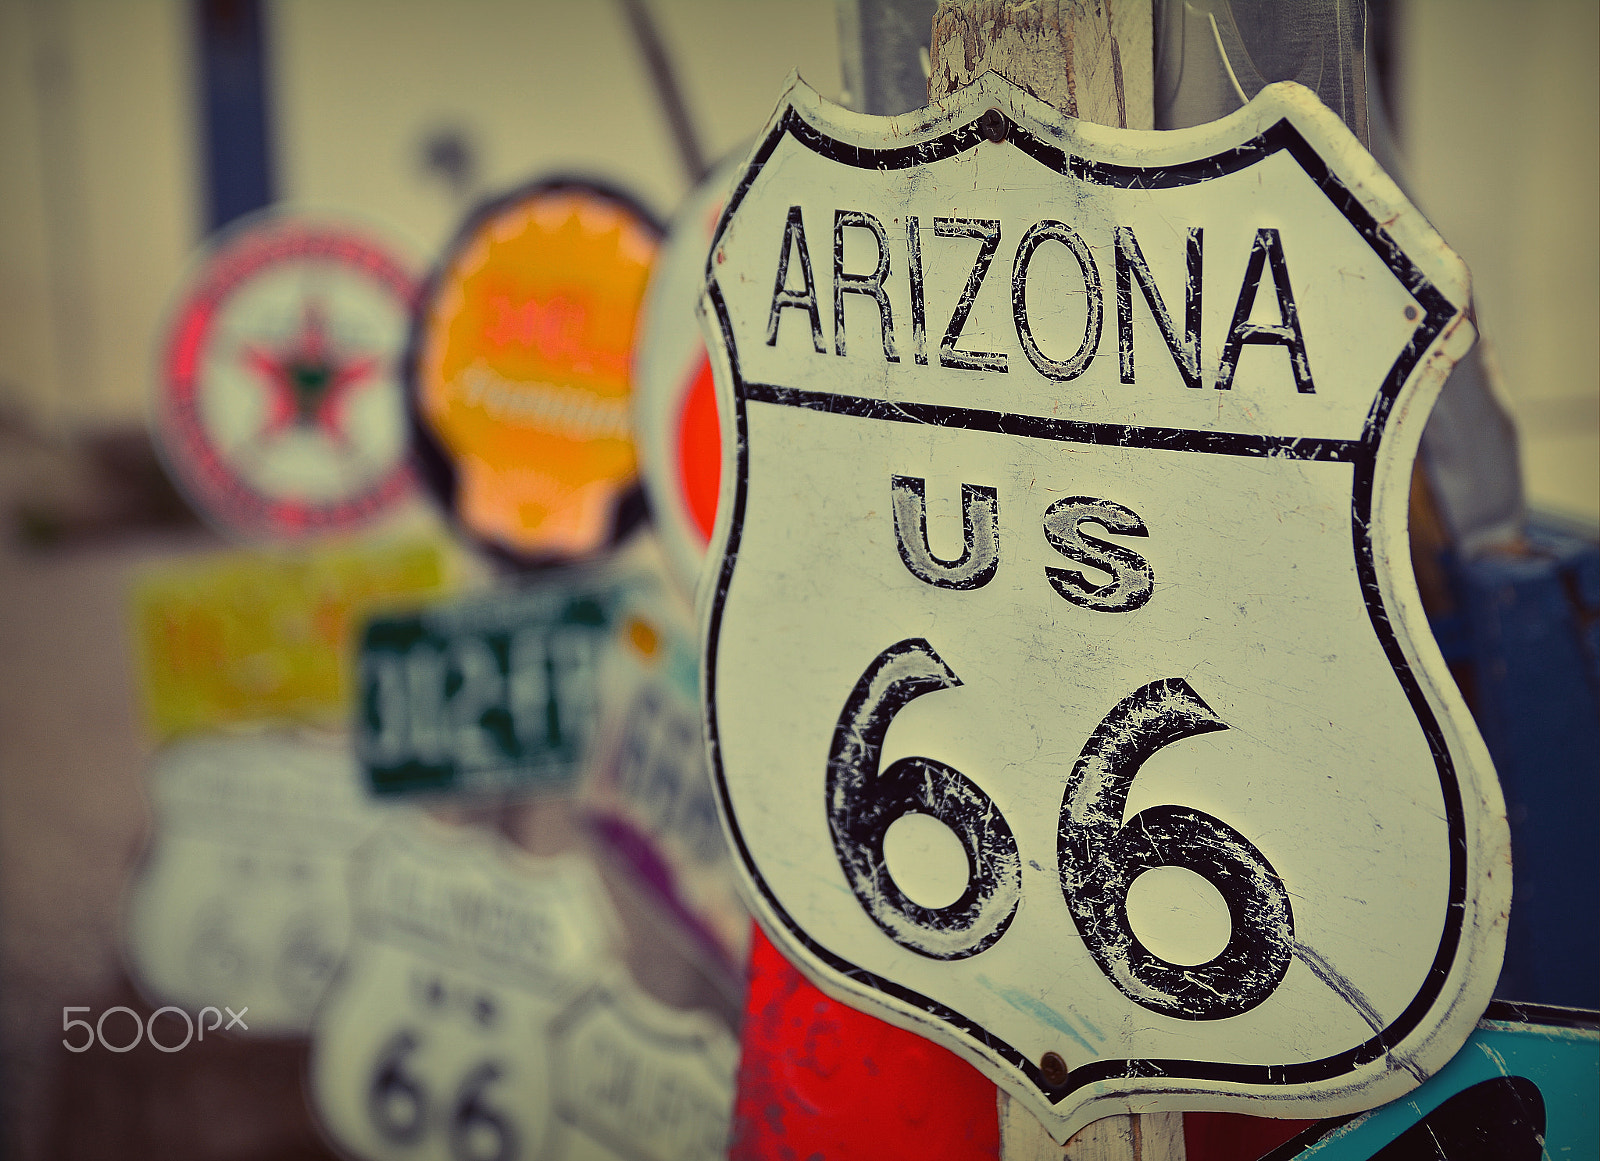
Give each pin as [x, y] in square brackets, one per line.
[542, 88]
[98, 204]
[1500, 117]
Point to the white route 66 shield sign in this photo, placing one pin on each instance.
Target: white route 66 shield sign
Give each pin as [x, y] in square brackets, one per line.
[1068, 691]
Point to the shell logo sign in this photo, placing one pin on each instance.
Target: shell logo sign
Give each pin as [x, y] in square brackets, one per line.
[521, 368]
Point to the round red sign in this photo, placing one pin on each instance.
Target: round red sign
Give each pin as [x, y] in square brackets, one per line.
[279, 410]
[675, 403]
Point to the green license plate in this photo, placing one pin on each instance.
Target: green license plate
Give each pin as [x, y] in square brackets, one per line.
[484, 695]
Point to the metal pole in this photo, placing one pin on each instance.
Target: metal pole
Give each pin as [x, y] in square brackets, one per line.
[673, 107]
[1092, 59]
[883, 46]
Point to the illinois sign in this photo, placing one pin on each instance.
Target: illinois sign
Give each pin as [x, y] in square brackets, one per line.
[1068, 693]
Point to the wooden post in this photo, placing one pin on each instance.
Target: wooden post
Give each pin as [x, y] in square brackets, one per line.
[1093, 60]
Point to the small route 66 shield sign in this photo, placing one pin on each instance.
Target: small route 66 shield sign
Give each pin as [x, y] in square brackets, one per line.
[1068, 692]
[431, 1043]
[242, 897]
[484, 1012]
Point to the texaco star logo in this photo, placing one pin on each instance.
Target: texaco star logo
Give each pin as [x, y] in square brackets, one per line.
[279, 411]
[310, 381]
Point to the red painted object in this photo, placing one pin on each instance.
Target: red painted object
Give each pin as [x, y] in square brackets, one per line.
[1231, 1137]
[820, 1080]
[700, 451]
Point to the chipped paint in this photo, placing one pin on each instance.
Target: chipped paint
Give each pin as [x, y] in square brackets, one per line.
[1101, 856]
[863, 802]
[1179, 437]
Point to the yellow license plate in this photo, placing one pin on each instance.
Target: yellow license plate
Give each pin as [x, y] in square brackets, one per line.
[252, 636]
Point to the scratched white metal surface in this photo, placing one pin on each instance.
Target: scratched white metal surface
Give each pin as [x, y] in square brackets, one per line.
[1317, 755]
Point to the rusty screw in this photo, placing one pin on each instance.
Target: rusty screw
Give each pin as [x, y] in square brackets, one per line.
[1054, 1069]
[993, 125]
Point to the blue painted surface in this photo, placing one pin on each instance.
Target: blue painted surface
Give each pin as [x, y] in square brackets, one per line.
[1564, 1062]
[234, 109]
[1534, 634]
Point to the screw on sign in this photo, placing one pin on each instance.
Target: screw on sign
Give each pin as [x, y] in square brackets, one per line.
[278, 410]
[1066, 595]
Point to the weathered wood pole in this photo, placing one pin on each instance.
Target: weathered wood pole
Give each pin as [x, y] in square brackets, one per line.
[1093, 60]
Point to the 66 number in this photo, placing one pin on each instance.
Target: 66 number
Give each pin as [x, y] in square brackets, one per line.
[403, 1111]
[1098, 855]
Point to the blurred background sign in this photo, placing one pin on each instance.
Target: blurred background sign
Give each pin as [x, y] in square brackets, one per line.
[245, 636]
[278, 408]
[241, 899]
[675, 419]
[520, 370]
[489, 694]
[134, 129]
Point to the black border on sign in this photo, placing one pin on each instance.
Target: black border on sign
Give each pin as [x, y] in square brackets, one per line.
[435, 465]
[1281, 137]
